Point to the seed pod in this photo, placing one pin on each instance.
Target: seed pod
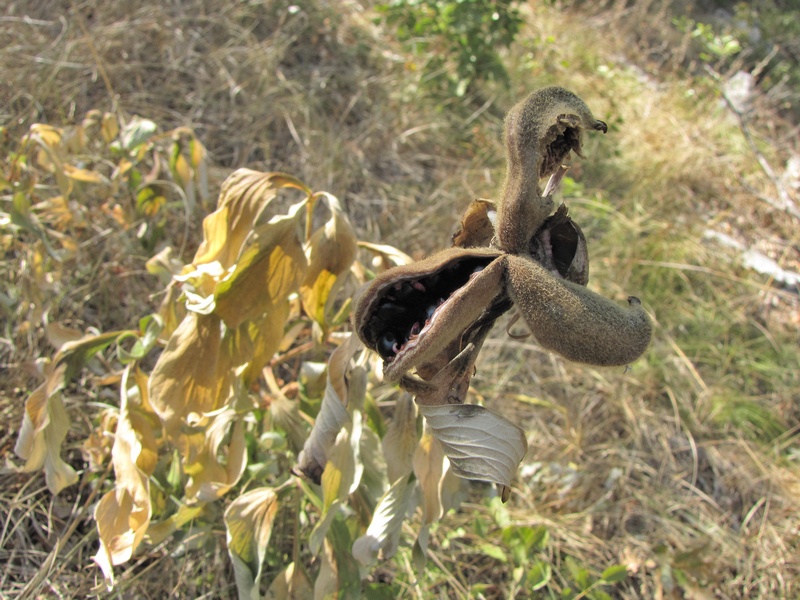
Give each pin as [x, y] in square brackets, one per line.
[462, 284]
[575, 322]
[540, 132]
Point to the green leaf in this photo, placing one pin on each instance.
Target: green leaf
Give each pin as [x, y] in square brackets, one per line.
[614, 573]
[494, 552]
[539, 575]
[76, 354]
[137, 132]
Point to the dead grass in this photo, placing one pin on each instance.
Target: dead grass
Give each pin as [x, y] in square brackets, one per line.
[684, 468]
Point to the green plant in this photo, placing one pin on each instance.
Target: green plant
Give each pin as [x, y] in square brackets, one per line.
[458, 40]
[714, 46]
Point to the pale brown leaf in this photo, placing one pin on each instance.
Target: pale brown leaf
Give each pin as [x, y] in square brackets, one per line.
[479, 443]
[290, 584]
[429, 468]
[383, 534]
[44, 428]
[123, 514]
[248, 522]
[333, 413]
[401, 439]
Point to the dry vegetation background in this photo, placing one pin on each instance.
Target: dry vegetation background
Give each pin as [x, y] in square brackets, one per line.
[684, 467]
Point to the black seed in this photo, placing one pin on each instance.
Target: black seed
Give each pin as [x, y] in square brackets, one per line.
[430, 310]
[391, 312]
[386, 343]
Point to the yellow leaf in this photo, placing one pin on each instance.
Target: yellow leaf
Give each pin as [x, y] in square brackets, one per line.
[123, 514]
[210, 476]
[263, 337]
[331, 252]
[84, 175]
[109, 128]
[430, 469]
[46, 134]
[388, 256]
[243, 197]
[343, 472]
[44, 428]
[197, 152]
[190, 375]
[248, 523]
[182, 170]
[268, 271]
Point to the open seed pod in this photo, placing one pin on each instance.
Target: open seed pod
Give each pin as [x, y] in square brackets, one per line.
[540, 133]
[412, 314]
[560, 247]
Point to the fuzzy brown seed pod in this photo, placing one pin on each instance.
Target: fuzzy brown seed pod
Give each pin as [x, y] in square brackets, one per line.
[572, 320]
[540, 132]
[411, 314]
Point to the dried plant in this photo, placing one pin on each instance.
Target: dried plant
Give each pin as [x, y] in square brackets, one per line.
[434, 314]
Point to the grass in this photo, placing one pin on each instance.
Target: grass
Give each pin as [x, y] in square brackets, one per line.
[683, 468]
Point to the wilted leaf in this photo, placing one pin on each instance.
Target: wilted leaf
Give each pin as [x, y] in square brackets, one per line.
[373, 479]
[477, 225]
[290, 584]
[344, 468]
[59, 334]
[401, 439]
[332, 415]
[244, 195]
[123, 514]
[109, 129]
[158, 532]
[44, 427]
[479, 443]
[164, 265]
[210, 478]
[180, 167]
[389, 255]
[429, 469]
[340, 478]
[149, 330]
[76, 354]
[286, 415]
[83, 175]
[46, 423]
[270, 268]
[383, 534]
[331, 251]
[190, 376]
[248, 522]
[326, 586]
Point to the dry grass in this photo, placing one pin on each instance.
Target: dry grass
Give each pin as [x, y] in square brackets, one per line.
[684, 467]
